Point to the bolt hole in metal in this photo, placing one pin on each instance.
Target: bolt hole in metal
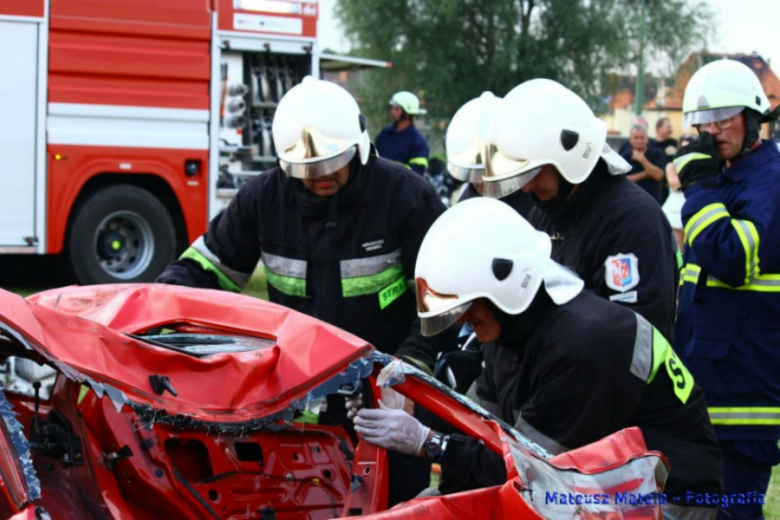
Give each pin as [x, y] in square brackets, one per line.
[124, 244]
[213, 495]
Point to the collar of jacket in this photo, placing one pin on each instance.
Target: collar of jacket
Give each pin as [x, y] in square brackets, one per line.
[765, 152]
[406, 130]
[516, 329]
[566, 212]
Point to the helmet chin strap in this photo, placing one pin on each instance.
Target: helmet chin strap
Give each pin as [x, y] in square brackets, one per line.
[752, 130]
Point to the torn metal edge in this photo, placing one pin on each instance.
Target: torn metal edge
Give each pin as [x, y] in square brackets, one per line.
[21, 446]
[396, 371]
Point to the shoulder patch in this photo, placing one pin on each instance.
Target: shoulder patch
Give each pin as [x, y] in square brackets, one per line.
[622, 272]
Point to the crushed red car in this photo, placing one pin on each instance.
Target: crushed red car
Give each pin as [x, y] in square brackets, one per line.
[172, 402]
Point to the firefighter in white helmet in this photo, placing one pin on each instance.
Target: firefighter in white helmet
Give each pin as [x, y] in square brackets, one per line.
[402, 142]
[333, 243]
[729, 302]
[466, 137]
[547, 142]
[562, 365]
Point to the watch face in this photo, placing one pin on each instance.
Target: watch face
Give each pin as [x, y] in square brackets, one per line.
[433, 447]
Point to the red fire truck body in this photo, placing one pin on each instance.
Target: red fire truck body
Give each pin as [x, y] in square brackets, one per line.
[114, 141]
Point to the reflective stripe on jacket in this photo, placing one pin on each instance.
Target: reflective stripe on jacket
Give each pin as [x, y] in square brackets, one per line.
[349, 265]
[728, 323]
[407, 147]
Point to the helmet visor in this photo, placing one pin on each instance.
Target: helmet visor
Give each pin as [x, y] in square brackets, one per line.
[439, 323]
[499, 188]
[468, 164]
[317, 168]
[463, 174]
[440, 310]
[701, 117]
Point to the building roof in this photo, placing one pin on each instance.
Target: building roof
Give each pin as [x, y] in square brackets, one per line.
[657, 97]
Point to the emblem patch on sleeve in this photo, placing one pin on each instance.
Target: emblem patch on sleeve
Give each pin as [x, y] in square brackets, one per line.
[622, 272]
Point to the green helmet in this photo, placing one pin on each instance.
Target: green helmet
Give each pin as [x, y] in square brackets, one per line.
[408, 102]
[722, 89]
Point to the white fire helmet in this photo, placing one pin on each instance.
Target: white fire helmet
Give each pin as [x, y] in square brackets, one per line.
[722, 89]
[466, 137]
[409, 102]
[318, 129]
[482, 248]
[542, 122]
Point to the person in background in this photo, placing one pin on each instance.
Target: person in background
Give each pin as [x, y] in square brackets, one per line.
[402, 142]
[465, 142]
[625, 147]
[727, 330]
[668, 145]
[647, 164]
[674, 202]
[663, 138]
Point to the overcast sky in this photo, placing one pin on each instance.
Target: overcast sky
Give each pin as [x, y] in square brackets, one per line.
[741, 26]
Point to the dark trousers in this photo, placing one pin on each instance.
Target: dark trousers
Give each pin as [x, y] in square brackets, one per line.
[747, 468]
[409, 475]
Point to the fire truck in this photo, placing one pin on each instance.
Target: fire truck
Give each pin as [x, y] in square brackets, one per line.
[126, 125]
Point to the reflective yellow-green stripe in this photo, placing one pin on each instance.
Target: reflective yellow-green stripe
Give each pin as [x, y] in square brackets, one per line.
[371, 284]
[422, 161]
[748, 235]
[682, 380]
[755, 416]
[682, 161]
[651, 351]
[224, 282]
[760, 283]
[690, 273]
[286, 284]
[660, 351]
[703, 218]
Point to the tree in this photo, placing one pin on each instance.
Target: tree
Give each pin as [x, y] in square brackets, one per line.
[450, 51]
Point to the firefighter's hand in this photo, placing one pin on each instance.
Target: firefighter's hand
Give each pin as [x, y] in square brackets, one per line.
[353, 405]
[390, 399]
[698, 163]
[393, 430]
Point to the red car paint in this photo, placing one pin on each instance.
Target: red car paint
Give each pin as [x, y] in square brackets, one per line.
[230, 444]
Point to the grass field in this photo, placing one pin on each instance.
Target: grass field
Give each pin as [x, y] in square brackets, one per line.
[10, 276]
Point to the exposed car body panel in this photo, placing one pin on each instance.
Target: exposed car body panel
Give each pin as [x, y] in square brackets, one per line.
[236, 431]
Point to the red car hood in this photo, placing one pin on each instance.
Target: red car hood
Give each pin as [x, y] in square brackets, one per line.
[224, 387]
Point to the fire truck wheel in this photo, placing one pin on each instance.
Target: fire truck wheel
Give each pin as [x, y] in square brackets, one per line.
[120, 234]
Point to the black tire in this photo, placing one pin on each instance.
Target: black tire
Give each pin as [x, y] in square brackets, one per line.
[120, 234]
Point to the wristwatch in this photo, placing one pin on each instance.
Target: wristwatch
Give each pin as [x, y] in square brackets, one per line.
[434, 448]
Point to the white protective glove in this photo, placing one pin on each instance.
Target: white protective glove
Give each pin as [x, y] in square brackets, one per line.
[390, 398]
[353, 405]
[391, 429]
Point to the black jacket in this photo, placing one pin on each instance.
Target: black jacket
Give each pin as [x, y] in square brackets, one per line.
[651, 186]
[596, 231]
[570, 375]
[346, 260]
